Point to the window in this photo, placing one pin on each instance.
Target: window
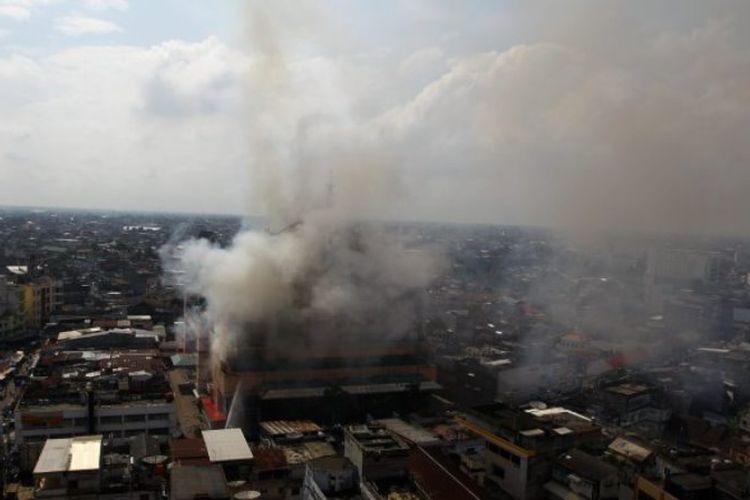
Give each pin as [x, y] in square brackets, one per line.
[492, 447]
[110, 419]
[516, 460]
[498, 471]
[135, 418]
[158, 416]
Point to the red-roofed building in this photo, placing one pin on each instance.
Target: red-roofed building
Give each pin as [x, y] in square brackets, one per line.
[216, 418]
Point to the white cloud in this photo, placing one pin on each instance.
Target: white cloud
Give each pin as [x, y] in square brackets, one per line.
[77, 25]
[107, 4]
[573, 135]
[21, 10]
[14, 11]
[81, 114]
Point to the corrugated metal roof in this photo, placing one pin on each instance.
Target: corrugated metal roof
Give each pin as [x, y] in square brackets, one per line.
[407, 431]
[282, 427]
[224, 445]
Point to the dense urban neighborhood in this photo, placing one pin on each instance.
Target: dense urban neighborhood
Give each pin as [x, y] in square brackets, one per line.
[534, 366]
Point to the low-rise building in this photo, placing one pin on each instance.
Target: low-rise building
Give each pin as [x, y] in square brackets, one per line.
[330, 477]
[521, 444]
[69, 468]
[229, 448]
[576, 474]
[376, 452]
[118, 394]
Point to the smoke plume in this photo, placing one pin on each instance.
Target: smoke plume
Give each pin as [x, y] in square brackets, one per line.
[319, 183]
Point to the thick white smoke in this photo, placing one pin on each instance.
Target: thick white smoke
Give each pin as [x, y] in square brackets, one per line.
[620, 115]
[318, 180]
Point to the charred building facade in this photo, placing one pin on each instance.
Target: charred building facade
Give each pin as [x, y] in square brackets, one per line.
[333, 369]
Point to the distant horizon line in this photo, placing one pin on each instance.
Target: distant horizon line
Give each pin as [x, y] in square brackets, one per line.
[47, 208]
[219, 215]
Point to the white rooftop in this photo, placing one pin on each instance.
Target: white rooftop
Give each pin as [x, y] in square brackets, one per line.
[82, 453]
[19, 270]
[225, 445]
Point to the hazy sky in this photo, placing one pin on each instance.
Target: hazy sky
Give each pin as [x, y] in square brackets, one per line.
[630, 114]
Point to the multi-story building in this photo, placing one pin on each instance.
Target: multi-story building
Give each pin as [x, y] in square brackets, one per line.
[85, 467]
[38, 297]
[319, 370]
[41, 298]
[11, 316]
[69, 468]
[521, 444]
[114, 393]
[330, 477]
[576, 474]
[39, 421]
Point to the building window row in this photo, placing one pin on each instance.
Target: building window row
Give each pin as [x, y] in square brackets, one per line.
[497, 450]
[498, 471]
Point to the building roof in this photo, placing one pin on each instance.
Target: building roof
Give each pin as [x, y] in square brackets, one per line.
[630, 450]
[283, 427]
[82, 453]
[586, 466]
[18, 270]
[184, 360]
[269, 458]
[414, 434]
[189, 482]
[628, 389]
[355, 389]
[304, 452]
[691, 482]
[225, 445]
[190, 451]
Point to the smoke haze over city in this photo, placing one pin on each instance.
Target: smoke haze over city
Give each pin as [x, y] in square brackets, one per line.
[425, 250]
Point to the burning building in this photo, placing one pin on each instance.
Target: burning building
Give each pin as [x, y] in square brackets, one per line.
[331, 369]
[320, 320]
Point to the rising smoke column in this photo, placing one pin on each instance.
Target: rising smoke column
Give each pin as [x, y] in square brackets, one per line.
[317, 178]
